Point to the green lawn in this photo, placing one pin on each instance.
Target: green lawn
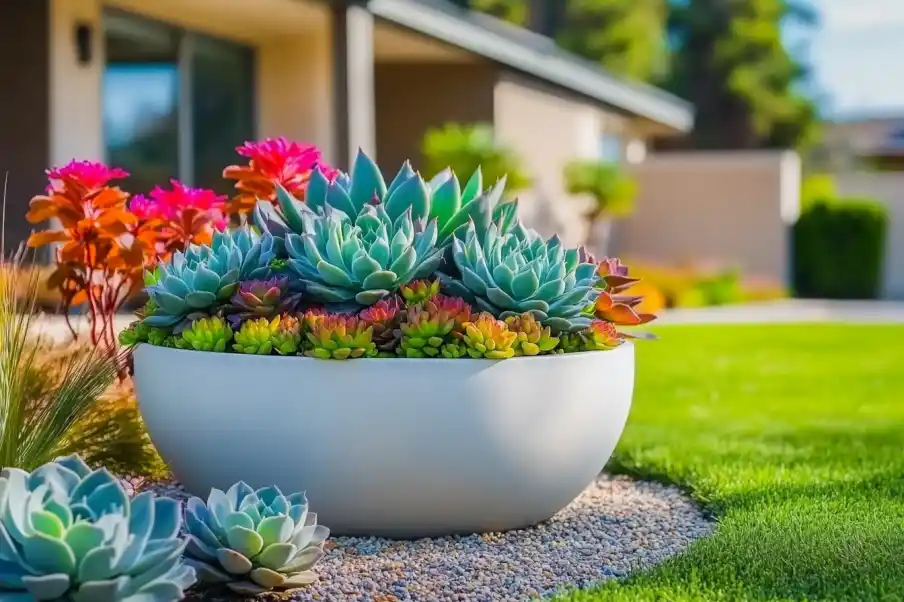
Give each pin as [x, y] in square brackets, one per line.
[793, 436]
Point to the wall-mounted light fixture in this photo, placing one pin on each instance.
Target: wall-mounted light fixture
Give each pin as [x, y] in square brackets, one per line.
[83, 43]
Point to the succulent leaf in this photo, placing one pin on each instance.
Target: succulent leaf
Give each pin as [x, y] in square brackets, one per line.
[532, 338]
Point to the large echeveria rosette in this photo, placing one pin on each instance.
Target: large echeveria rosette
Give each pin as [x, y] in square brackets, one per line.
[70, 534]
[341, 261]
[253, 541]
[443, 199]
[201, 280]
[516, 272]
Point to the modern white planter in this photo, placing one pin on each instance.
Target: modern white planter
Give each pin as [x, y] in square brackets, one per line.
[400, 448]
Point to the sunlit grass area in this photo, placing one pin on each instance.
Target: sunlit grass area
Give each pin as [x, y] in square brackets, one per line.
[793, 436]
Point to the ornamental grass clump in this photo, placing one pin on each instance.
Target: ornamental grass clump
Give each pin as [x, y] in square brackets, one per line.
[347, 266]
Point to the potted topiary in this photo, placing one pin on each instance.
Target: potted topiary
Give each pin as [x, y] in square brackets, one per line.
[482, 401]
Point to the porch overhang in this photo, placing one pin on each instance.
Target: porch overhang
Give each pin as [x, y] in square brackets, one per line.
[534, 55]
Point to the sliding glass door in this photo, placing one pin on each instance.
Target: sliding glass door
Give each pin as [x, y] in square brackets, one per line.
[176, 103]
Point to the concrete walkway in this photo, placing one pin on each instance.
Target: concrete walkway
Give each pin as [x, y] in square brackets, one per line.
[790, 310]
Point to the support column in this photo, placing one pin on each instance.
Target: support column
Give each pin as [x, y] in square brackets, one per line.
[353, 81]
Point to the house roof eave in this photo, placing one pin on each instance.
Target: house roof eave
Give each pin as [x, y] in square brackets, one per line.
[536, 56]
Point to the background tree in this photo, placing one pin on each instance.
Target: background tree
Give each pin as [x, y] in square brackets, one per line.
[730, 61]
[626, 37]
[465, 147]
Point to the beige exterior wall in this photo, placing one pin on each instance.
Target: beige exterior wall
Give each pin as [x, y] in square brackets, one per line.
[295, 90]
[295, 93]
[76, 118]
[547, 129]
[888, 188]
[414, 97]
[729, 208]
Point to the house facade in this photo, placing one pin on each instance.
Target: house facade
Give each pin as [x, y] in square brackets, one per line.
[168, 88]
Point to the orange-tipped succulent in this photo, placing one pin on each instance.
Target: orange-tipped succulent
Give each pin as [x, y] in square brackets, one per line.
[609, 305]
[427, 327]
[419, 291]
[270, 162]
[487, 337]
[340, 337]
[384, 317]
[532, 337]
[599, 336]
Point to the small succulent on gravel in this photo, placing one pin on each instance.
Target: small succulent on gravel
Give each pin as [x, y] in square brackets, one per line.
[253, 541]
[208, 334]
[261, 299]
[428, 326]
[339, 337]
[532, 338]
[419, 291]
[487, 337]
[256, 336]
[384, 317]
[509, 274]
[599, 336]
[287, 337]
[70, 534]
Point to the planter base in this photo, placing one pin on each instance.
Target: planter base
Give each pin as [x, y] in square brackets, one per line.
[397, 448]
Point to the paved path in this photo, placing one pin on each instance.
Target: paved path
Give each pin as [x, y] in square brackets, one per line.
[790, 310]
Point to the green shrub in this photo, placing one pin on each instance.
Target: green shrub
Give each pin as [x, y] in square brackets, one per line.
[839, 248]
[465, 147]
[722, 288]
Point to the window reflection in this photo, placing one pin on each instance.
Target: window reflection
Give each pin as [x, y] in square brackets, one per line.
[148, 66]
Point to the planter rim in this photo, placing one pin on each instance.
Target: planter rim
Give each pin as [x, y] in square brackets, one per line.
[393, 360]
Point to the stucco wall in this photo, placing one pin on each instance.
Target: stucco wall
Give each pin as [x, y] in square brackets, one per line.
[414, 97]
[732, 208]
[888, 188]
[548, 129]
[295, 90]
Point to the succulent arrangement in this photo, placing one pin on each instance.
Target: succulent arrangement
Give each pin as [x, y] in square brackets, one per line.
[345, 266]
[72, 534]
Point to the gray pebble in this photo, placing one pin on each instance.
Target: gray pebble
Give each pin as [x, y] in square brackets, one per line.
[615, 526]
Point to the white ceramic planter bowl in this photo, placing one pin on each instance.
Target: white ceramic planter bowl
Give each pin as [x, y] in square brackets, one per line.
[398, 448]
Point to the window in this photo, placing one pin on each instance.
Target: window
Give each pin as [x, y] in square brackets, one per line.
[610, 147]
[176, 103]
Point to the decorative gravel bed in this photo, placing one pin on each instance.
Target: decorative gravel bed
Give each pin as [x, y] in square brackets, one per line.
[615, 526]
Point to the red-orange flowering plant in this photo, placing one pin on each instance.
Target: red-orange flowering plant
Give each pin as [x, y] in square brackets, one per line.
[270, 162]
[106, 241]
[181, 215]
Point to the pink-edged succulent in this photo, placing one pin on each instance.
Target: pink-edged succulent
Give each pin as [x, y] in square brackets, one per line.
[339, 337]
[261, 299]
[428, 326]
[384, 317]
